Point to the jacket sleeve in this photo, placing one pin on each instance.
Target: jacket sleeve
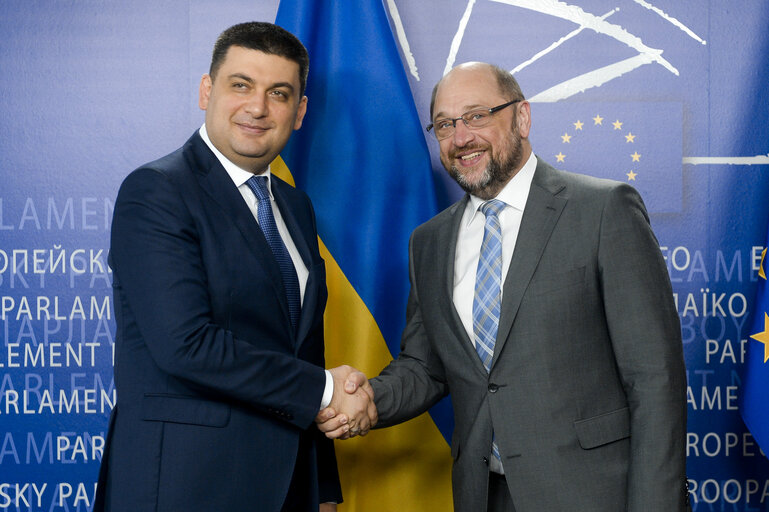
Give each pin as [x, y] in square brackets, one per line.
[329, 487]
[415, 381]
[646, 338]
[159, 274]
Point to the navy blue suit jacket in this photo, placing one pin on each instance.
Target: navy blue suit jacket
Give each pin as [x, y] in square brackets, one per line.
[216, 392]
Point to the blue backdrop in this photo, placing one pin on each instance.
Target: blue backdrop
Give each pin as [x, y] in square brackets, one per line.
[667, 95]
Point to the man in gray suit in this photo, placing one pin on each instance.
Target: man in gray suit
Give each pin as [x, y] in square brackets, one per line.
[541, 302]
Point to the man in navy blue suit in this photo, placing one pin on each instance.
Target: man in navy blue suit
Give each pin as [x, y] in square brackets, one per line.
[219, 297]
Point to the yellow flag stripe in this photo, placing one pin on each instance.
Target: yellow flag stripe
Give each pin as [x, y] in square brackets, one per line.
[406, 467]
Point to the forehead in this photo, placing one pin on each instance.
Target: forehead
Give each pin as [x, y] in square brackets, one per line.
[259, 66]
[464, 89]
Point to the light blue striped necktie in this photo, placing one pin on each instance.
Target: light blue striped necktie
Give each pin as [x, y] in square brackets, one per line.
[488, 282]
[258, 184]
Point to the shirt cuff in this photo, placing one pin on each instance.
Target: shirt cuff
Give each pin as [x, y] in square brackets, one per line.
[328, 391]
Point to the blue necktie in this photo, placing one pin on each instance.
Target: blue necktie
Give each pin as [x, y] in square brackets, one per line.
[258, 184]
[488, 283]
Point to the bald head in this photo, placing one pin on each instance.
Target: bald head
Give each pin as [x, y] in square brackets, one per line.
[508, 86]
[482, 157]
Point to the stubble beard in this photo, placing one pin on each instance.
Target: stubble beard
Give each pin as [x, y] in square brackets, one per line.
[496, 175]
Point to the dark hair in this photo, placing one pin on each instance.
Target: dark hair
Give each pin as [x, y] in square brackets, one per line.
[507, 84]
[266, 38]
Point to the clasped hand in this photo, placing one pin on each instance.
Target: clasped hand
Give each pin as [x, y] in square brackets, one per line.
[352, 411]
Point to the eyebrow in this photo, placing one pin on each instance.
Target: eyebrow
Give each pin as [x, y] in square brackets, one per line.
[246, 78]
[241, 76]
[287, 85]
[467, 108]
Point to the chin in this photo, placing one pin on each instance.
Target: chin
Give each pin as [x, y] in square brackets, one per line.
[471, 182]
[476, 176]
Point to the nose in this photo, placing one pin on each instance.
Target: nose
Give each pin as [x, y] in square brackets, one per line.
[256, 105]
[462, 134]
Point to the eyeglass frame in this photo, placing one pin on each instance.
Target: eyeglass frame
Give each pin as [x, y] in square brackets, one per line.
[491, 111]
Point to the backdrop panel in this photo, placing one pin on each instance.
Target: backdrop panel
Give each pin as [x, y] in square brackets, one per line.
[669, 96]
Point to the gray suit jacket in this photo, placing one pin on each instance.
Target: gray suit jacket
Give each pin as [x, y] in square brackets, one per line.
[586, 393]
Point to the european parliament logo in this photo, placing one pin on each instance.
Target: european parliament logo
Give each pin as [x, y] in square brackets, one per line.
[639, 143]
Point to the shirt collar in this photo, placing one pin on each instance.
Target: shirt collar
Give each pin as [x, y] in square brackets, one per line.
[515, 193]
[239, 176]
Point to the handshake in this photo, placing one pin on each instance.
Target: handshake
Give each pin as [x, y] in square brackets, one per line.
[352, 411]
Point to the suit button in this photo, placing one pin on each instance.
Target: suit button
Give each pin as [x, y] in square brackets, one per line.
[485, 460]
[493, 388]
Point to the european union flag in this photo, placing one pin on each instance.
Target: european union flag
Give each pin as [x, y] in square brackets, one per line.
[638, 142]
[754, 399]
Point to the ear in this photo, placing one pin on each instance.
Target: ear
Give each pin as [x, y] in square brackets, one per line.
[204, 93]
[523, 119]
[300, 112]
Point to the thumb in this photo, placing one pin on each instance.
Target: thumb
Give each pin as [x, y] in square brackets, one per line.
[354, 381]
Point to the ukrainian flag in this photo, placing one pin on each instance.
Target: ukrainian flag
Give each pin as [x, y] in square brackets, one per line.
[754, 398]
[361, 156]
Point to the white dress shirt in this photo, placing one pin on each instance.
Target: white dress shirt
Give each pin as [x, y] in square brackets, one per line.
[470, 239]
[240, 177]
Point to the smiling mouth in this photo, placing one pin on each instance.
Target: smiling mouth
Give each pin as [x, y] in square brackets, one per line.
[252, 128]
[471, 155]
[469, 159]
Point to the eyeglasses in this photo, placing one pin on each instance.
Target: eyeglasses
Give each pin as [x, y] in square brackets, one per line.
[445, 127]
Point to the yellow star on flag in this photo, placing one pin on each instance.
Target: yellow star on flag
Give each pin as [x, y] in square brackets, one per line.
[578, 125]
[566, 138]
[636, 157]
[629, 137]
[598, 119]
[763, 337]
[560, 156]
[631, 176]
[761, 272]
[617, 125]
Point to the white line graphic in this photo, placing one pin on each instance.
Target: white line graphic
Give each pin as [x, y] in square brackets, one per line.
[595, 78]
[671, 19]
[576, 15]
[457, 41]
[557, 44]
[402, 38]
[727, 160]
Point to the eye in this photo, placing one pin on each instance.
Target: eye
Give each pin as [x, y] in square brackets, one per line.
[476, 116]
[279, 94]
[442, 124]
[239, 86]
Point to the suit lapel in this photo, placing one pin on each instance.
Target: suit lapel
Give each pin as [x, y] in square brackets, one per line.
[299, 237]
[287, 208]
[543, 208]
[448, 237]
[215, 181]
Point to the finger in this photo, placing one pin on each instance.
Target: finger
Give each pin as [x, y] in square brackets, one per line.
[325, 415]
[340, 433]
[366, 386]
[361, 403]
[333, 424]
[373, 414]
[364, 423]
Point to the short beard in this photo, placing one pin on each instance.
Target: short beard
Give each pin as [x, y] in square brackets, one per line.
[496, 175]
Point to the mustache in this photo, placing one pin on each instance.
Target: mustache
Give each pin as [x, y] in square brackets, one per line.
[470, 147]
